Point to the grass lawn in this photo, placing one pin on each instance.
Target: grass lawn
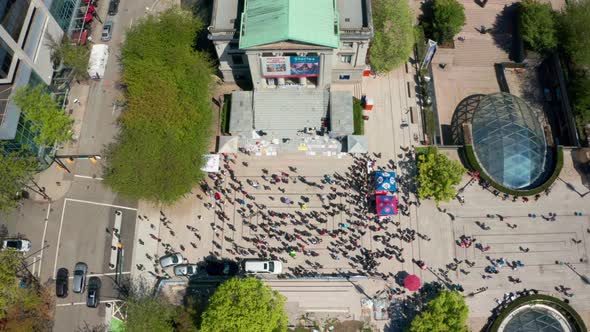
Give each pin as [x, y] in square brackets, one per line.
[359, 122]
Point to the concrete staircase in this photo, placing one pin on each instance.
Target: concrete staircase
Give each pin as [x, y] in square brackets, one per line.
[283, 112]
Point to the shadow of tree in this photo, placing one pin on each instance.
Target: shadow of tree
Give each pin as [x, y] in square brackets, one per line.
[505, 26]
[402, 311]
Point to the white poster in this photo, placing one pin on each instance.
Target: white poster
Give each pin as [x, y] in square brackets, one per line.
[276, 66]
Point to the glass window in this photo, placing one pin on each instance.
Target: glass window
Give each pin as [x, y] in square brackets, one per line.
[344, 77]
[12, 16]
[347, 44]
[62, 11]
[346, 58]
[5, 59]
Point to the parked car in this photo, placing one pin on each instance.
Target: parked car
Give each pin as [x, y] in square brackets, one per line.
[224, 268]
[61, 282]
[80, 271]
[185, 269]
[93, 297]
[172, 259]
[260, 266]
[113, 7]
[19, 245]
[107, 31]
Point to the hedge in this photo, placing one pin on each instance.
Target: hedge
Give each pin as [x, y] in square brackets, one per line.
[474, 165]
[359, 121]
[555, 303]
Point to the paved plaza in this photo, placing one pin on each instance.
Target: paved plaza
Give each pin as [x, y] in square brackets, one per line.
[199, 232]
[564, 239]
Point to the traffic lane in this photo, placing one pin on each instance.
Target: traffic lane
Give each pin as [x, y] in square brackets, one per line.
[108, 291]
[77, 316]
[84, 237]
[28, 221]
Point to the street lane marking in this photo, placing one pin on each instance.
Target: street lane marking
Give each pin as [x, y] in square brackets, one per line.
[81, 303]
[43, 240]
[88, 177]
[101, 204]
[102, 274]
[61, 223]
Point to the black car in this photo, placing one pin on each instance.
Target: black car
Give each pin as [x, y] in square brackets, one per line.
[61, 282]
[224, 268]
[93, 297]
[113, 7]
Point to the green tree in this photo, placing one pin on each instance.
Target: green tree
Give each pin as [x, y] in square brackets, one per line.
[166, 127]
[437, 175]
[72, 56]
[21, 308]
[448, 20]
[393, 40]
[579, 88]
[243, 305]
[574, 31]
[147, 311]
[52, 124]
[538, 25]
[15, 171]
[445, 313]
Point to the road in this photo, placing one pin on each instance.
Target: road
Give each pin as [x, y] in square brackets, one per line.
[73, 228]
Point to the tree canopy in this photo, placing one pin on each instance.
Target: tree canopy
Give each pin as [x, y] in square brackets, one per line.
[70, 55]
[445, 313]
[21, 308]
[166, 127]
[448, 20]
[574, 31]
[394, 38]
[52, 124]
[15, 171]
[243, 305]
[538, 25]
[437, 175]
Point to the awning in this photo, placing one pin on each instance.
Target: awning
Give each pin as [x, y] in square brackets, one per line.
[412, 282]
[386, 205]
[385, 181]
[211, 163]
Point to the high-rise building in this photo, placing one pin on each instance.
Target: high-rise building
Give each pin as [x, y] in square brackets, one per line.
[26, 29]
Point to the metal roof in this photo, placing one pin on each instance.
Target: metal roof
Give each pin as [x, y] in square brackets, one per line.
[307, 21]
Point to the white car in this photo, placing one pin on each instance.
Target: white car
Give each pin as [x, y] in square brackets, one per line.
[256, 266]
[185, 269]
[19, 245]
[171, 259]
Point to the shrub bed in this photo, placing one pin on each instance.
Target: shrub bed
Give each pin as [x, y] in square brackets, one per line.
[474, 165]
[359, 122]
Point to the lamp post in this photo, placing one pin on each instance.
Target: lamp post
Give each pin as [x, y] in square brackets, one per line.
[584, 278]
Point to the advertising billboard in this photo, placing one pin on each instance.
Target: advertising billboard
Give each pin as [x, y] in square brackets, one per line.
[290, 66]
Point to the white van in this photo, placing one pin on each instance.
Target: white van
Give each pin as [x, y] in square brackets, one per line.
[257, 266]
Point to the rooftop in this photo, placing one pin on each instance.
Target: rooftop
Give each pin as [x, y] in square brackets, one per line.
[306, 21]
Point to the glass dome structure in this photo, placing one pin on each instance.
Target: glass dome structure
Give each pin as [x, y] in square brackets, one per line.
[537, 318]
[508, 140]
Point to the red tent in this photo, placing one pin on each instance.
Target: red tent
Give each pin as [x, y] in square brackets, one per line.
[412, 282]
[386, 205]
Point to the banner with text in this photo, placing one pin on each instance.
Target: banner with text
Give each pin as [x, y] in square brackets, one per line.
[290, 66]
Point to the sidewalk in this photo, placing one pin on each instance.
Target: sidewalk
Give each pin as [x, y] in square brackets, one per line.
[56, 180]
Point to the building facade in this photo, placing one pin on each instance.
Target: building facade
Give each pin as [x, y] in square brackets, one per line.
[284, 43]
[26, 28]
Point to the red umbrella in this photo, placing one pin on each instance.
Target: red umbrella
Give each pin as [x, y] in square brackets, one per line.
[412, 282]
[88, 18]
